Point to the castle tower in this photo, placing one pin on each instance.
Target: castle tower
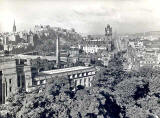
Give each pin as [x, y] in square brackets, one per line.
[57, 52]
[14, 27]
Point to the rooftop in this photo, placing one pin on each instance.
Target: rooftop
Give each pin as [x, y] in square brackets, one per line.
[50, 72]
[21, 56]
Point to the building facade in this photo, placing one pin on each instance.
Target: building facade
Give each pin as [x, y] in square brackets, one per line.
[96, 43]
[19, 73]
[8, 78]
[14, 74]
[79, 75]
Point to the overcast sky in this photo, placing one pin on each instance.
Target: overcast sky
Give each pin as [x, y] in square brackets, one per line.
[86, 16]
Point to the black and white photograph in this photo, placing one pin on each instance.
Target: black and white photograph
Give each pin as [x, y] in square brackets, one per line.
[79, 58]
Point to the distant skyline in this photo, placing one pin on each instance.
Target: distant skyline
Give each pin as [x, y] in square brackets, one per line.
[85, 16]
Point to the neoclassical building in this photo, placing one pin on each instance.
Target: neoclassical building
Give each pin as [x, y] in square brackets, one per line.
[17, 73]
[79, 75]
[14, 74]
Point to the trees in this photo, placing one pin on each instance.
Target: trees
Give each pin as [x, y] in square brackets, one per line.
[46, 47]
[116, 63]
[79, 63]
[114, 73]
[128, 91]
[114, 94]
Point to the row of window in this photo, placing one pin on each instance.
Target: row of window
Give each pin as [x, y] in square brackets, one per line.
[81, 75]
[21, 80]
[10, 89]
[40, 82]
[83, 82]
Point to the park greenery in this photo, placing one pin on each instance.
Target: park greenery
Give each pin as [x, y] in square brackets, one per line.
[115, 93]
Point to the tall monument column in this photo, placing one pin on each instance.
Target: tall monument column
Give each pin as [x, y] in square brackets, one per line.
[57, 52]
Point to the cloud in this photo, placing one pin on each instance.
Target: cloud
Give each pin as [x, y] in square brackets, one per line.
[87, 16]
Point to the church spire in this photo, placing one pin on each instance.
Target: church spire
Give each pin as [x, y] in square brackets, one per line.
[14, 26]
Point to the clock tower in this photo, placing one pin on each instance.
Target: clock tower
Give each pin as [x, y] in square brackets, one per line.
[108, 37]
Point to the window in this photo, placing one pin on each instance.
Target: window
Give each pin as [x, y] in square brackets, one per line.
[88, 79]
[80, 82]
[35, 82]
[6, 88]
[89, 73]
[86, 73]
[41, 81]
[38, 82]
[84, 81]
[19, 80]
[10, 81]
[90, 84]
[71, 76]
[75, 76]
[22, 61]
[23, 80]
[10, 89]
[80, 74]
[75, 82]
[44, 81]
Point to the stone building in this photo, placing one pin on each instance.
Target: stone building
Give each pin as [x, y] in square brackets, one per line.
[105, 57]
[18, 73]
[8, 78]
[79, 75]
[95, 43]
[39, 28]
[14, 74]
[73, 52]
[149, 58]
